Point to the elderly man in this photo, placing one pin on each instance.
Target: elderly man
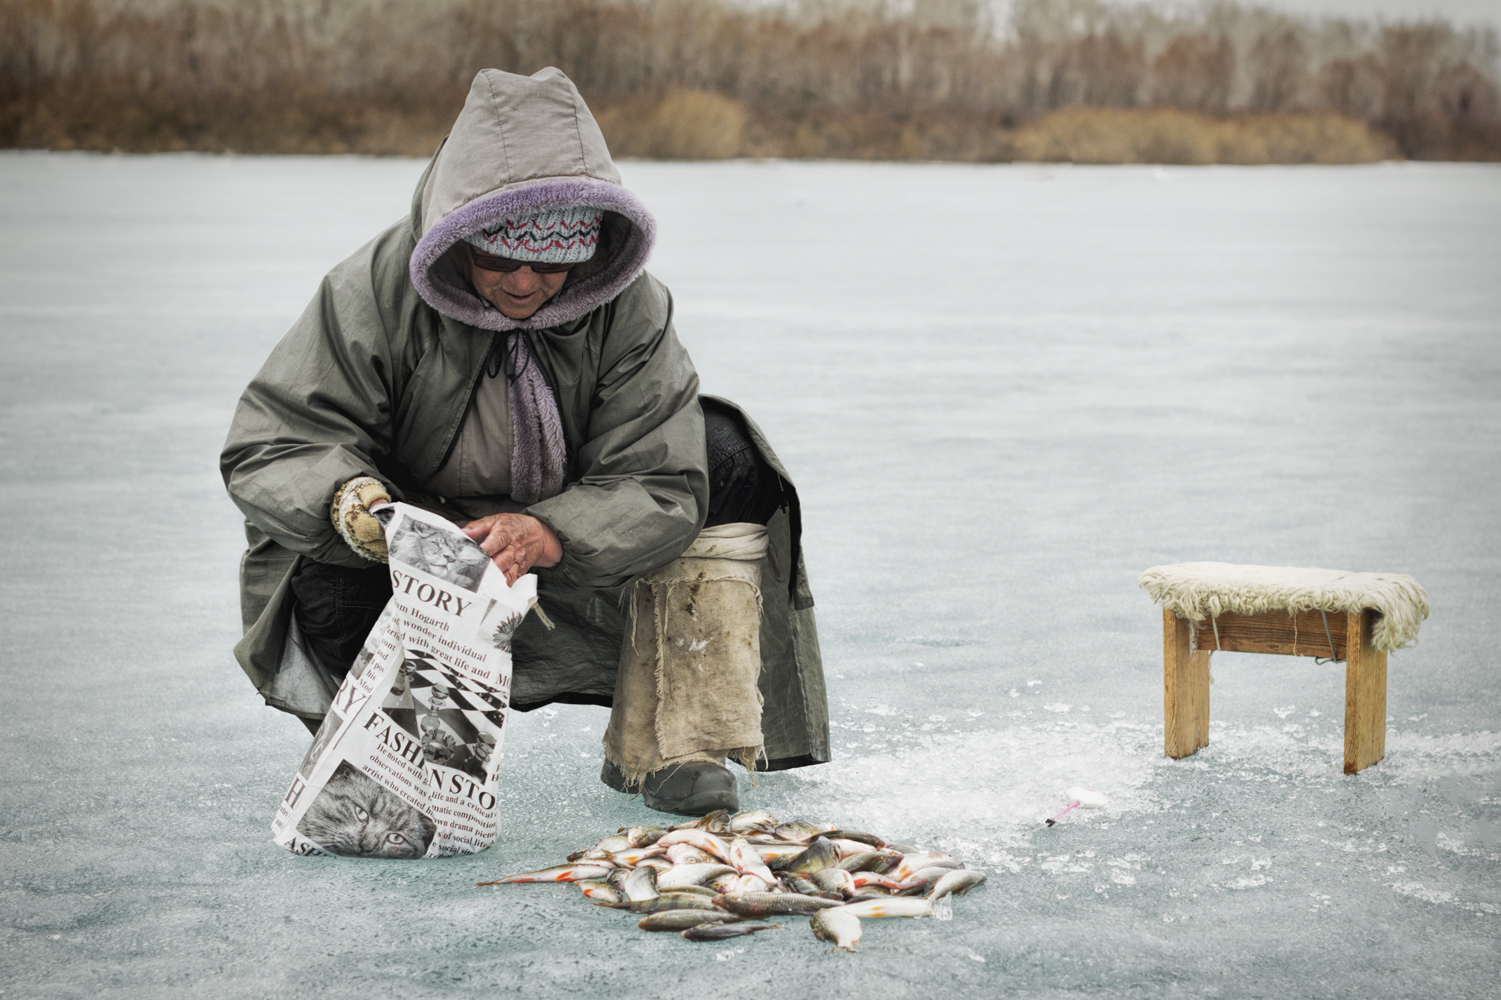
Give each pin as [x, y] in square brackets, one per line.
[502, 358]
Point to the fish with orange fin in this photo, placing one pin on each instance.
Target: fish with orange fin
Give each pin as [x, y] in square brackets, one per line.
[557, 873]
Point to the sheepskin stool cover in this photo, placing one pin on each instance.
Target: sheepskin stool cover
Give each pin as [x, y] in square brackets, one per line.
[1199, 590]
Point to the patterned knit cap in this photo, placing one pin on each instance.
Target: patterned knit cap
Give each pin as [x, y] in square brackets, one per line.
[560, 236]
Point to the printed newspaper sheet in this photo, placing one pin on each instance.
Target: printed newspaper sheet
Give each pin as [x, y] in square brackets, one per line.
[404, 765]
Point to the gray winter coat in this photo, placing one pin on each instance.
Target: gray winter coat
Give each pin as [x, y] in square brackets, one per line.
[377, 375]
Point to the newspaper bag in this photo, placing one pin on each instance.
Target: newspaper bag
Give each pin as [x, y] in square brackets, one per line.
[404, 765]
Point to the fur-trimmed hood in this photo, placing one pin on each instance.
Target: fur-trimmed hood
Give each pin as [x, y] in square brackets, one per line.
[524, 144]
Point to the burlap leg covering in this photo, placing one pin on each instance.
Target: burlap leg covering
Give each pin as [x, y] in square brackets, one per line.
[691, 658]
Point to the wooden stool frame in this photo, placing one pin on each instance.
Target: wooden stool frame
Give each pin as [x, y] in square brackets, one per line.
[1185, 672]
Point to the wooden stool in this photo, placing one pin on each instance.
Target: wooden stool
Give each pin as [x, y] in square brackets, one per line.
[1185, 671]
[1290, 611]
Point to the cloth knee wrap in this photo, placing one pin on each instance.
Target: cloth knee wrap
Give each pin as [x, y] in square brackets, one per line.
[689, 666]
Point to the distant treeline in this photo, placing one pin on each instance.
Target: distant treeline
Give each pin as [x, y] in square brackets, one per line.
[921, 79]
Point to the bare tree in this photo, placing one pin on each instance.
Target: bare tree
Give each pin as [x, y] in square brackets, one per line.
[1279, 67]
[1195, 71]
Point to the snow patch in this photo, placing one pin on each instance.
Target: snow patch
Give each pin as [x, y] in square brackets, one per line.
[1249, 882]
[987, 786]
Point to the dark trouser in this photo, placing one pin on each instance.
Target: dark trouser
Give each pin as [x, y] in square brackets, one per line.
[336, 606]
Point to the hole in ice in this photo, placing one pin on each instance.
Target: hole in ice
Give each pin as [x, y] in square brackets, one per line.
[1088, 797]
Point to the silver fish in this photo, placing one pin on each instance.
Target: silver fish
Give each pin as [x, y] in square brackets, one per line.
[601, 893]
[758, 820]
[714, 822]
[820, 854]
[870, 880]
[660, 864]
[956, 882]
[633, 856]
[923, 880]
[868, 839]
[642, 836]
[748, 862]
[681, 920]
[719, 932]
[640, 885]
[673, 901]
[680, 875]
[749, 883]
[879, 862]
[701, 839]
[837, 926]
[834, 880]
[775, 850]
[799, 832]
[846, 848]
[764, 904]
[687, 854]
[891, 906]
[608, 845]
[913, 862]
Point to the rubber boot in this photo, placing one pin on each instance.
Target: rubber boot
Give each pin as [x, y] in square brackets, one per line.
[686, 696]
[690, 788]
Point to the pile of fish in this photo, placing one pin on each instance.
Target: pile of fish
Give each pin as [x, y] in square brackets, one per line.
[723, 876]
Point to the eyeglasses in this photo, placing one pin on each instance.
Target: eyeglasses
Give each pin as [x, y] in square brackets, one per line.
[490, 262]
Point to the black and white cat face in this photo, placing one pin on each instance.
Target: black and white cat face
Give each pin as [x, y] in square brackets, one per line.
[355, 817]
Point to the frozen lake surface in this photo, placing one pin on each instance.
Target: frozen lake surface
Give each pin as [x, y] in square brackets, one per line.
[1003, 391]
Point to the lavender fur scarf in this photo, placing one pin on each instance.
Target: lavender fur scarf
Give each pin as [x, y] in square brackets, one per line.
[539, 453]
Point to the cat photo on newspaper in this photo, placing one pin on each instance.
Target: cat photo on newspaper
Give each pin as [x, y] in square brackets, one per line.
[354, 816]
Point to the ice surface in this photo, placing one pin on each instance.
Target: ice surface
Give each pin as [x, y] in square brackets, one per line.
[1003, 391]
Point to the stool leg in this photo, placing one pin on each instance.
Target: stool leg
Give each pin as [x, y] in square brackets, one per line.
[1365, 695]
[1185, 689]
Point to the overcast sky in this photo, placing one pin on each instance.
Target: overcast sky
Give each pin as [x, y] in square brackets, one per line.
[1459, 12]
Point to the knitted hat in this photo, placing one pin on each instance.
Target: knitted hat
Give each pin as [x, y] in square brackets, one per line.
[558, 236]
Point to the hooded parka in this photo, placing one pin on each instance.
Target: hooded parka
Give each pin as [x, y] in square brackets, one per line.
[377, 376]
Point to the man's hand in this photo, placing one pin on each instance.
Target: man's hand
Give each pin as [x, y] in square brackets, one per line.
[515, 543]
